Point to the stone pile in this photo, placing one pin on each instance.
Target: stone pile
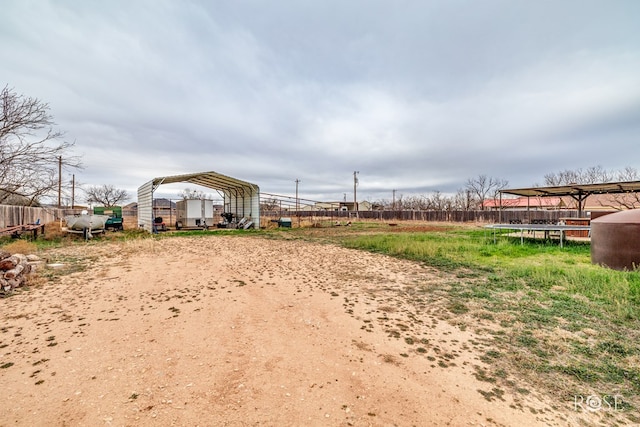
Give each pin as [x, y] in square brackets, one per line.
[14, 270]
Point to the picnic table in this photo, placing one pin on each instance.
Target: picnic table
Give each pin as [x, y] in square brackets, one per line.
[546, 228]
[16, 231]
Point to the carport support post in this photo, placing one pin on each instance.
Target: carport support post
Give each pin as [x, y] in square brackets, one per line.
[297, 202]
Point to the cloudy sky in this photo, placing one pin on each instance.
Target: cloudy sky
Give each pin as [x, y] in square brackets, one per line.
[418, 96]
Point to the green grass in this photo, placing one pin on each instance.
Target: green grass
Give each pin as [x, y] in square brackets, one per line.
[540, 268]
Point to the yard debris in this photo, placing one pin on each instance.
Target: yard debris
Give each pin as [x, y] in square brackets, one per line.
[14, 270]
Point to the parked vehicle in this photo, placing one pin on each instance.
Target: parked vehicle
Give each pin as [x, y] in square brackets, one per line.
[115, 220]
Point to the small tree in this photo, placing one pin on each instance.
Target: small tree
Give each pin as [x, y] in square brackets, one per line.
[30, 151]
[592, 175]
[106, 195]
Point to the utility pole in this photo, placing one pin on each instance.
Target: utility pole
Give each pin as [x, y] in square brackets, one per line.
[59, 182]
[73, 191]
[355, 184]
[395, 211]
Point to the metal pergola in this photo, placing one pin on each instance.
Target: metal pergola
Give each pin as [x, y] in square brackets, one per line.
[240, 197]
[578, 192]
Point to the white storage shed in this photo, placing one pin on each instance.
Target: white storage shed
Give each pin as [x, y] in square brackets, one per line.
[240, 197]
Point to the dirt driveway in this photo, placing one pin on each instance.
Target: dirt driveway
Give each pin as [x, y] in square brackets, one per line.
[231, 331]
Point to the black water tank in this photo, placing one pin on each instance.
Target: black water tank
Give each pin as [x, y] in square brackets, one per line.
[615, 240]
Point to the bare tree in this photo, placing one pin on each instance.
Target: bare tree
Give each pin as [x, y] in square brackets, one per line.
[193, 194]
[30, 150]
[592, 175]
[483, 187]
[382, 205]
[628, 174]
[463, 199]
[106, 195]
[595, 175]
[627, 200]
[413, 202]
[436, 201]
[270, 204]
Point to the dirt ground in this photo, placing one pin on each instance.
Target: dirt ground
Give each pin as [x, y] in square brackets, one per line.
[229, 331]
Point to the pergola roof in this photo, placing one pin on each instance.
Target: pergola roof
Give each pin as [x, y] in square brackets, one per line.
[577, 189]
[578, 192]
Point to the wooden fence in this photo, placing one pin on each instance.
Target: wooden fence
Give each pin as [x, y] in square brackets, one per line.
[18, 215]
[505, 216]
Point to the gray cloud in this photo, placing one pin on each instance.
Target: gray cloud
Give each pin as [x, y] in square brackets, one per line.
[417, 96]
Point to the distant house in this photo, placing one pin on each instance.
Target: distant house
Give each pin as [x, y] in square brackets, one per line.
[163, 204]
[524, 203]
[365, 206]
[133, 206]
[329, 206]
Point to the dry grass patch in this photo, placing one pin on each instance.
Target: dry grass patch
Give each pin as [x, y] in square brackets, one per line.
[20, 247]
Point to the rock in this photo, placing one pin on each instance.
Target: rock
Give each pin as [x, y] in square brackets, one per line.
[9, 263]
[15, 283]
[4, 285]
[22, 259]
[4, 254]
[15, 272]
[35, 266]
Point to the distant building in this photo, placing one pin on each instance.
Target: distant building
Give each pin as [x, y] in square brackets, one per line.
[524, 203]
[335, 206]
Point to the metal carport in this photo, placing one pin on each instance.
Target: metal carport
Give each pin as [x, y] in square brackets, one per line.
[240, 197]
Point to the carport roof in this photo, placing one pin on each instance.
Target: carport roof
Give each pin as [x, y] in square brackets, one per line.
[210, 179]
